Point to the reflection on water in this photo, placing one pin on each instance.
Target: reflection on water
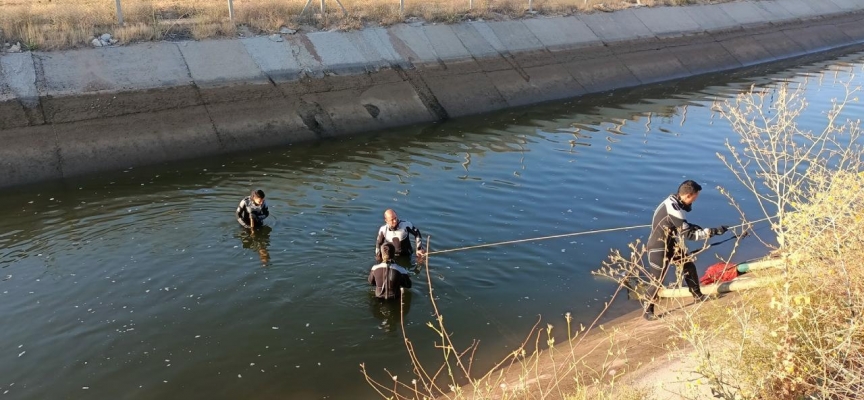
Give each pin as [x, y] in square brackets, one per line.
[391, 312]
[139, 284]
[257, 240]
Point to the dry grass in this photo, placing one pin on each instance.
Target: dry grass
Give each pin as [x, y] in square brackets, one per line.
[63, 24]
[804, 338]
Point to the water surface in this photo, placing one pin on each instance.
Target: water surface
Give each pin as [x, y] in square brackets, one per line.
[139, 284]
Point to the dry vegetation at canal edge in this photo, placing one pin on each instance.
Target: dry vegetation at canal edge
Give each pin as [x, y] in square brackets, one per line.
[63, 24]
[800, 338]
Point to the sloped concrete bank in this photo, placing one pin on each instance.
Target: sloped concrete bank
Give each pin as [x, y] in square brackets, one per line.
[81, 111]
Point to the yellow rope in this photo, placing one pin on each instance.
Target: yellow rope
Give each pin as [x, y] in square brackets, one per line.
[538, 238]
[564, 235]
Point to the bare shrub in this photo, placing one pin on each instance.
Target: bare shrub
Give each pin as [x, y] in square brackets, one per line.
[536, 369]
[802, 338]
[778, 161]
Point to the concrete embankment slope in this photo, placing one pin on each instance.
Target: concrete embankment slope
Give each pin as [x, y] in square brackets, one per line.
[79, 111]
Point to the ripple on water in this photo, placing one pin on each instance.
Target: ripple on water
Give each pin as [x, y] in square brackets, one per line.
[114, 275]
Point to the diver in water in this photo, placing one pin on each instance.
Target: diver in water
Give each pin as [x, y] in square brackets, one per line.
[388, 277]
[252, 210]
[395, 231]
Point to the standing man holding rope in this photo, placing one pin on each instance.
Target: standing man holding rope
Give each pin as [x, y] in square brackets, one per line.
[395, 231]
[665, 246]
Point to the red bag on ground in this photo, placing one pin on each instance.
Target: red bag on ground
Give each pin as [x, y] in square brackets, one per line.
[720, 272]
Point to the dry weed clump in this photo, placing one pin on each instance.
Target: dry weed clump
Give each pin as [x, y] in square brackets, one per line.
[64, 24]
[803, 337]
[800, 339]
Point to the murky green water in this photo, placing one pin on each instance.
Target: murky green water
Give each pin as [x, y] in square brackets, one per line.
[140, 285]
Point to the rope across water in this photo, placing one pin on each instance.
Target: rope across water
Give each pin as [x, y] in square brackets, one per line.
[565, 235]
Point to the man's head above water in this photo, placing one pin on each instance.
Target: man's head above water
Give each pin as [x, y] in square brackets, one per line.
[257, 197]
[391, 219]
[387, 251]
[688, 191]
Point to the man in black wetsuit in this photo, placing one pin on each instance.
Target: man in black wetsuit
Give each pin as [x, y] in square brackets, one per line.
[669, 229]
[388, 277]
[396, 231]
[252, 210]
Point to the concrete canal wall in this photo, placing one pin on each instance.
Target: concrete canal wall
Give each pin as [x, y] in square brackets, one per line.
[81, 111]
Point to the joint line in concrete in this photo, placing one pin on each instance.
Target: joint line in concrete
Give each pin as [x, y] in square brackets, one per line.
[423, 92]
[201, 97]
